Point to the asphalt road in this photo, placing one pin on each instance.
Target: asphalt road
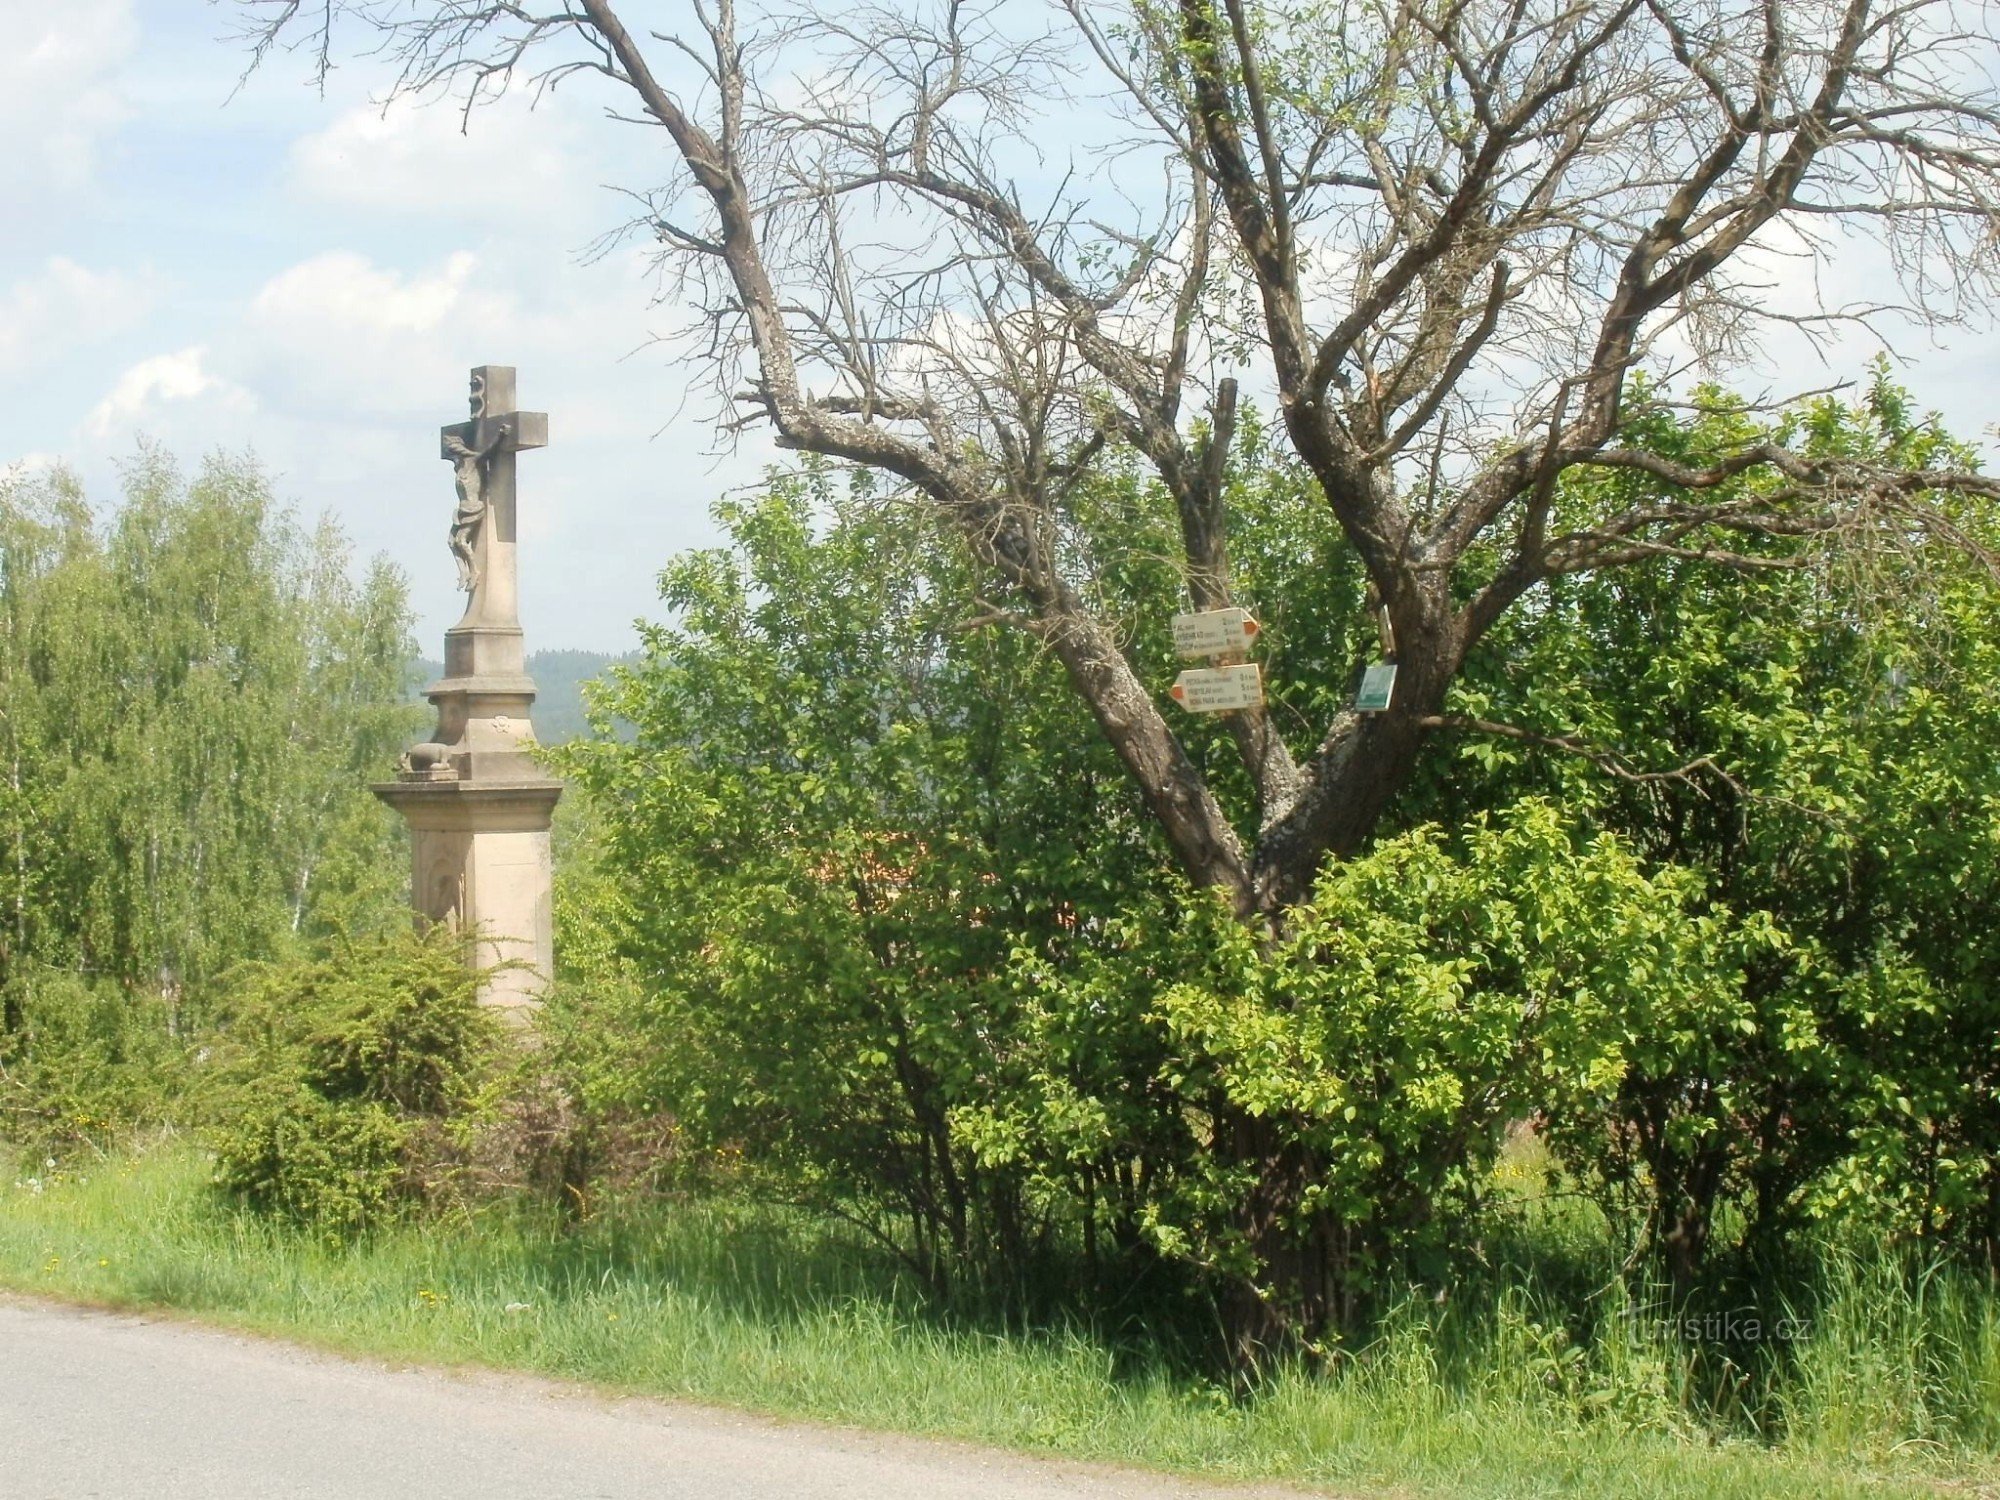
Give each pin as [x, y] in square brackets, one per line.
[103, 1404]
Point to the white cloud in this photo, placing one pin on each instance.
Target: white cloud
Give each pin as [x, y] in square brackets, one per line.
[342, 289]
[340, 336]
[144, 397]
[64, 305]
[57, 102]
[512, 167]
[339, 333]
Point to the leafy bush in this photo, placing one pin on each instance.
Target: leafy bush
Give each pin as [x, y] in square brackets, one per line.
[86, 1061]
[839, 815]
[1841, 794]
[1365, 1064]
[352, 1081]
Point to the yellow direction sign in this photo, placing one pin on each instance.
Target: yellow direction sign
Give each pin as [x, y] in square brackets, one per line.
[1213, 632]
[1215, 690]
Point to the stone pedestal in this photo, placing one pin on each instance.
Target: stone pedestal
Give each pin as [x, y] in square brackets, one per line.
[477, 804]
[479, 860]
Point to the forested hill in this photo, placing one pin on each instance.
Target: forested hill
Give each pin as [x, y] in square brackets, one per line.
[559, 679]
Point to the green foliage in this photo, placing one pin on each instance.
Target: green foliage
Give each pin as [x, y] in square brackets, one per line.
[1365, 1063]
[193, 696]
[347, 1080]
[191, 702]
[840, 813]
[88, 1062]
[872, 915]
[1837, 710]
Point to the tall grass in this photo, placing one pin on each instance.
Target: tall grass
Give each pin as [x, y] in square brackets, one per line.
[1893, 1389]
[1903, 1355]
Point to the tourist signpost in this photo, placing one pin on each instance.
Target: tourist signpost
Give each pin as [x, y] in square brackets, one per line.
[1214, 690]
[1228, 685]
[1214, 632]
[1378, 684]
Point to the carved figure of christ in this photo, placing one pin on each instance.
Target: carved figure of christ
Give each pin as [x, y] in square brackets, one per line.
[481, 452]
[469, 474]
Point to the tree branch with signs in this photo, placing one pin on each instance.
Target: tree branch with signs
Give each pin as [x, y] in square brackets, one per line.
[1444, 235]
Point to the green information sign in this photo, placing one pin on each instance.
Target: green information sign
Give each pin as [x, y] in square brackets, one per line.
[1377, 684]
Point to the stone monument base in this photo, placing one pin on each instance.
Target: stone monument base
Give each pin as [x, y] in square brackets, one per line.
[479, 860]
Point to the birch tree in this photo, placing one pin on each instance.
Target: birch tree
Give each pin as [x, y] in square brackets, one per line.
[193, 696]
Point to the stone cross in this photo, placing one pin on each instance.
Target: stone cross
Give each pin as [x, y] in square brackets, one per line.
[477, 801]
[483, 451]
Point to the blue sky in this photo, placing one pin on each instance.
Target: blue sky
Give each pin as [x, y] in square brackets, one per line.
[310, 278]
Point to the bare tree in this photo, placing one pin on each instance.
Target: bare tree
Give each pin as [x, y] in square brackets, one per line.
[984, 248]
[981, 246]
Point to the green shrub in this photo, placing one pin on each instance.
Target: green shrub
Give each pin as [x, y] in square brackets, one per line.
[1432, 993]
[351, 1083]
[86, 1061]
[293, 1153]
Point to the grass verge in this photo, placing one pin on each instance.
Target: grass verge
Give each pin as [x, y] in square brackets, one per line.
[755, 1309]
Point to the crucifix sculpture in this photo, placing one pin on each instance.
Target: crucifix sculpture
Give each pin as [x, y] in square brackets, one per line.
[481, 453]
[469, 473]
[477, 801]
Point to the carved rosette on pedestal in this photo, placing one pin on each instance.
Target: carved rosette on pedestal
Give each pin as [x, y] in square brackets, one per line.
[477, 803]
